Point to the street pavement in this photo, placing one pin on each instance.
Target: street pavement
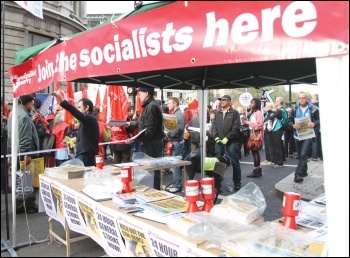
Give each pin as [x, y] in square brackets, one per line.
[32, 239]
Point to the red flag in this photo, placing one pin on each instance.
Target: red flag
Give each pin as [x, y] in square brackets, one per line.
[119, 102]
[84, 92]
[98, 99]
[138, 108]
[58, 86]
[103, 115]
[193, 106]
[68, 117]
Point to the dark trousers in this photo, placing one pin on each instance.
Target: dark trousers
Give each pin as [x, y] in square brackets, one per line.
[268, 146]
[154, 150]
[303, 148]
[278, 153]
[231, 151]
[88, 159]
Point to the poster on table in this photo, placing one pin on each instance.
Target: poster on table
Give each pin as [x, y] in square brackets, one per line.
[47, 198]
[135, 239]
[164, 244]
[57, 198]
[112, 239]
[72, 212]
[87, 207]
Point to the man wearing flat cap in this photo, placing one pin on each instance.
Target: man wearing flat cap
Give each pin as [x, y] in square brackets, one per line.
[28, 141]
[151, 119]
[226, 132]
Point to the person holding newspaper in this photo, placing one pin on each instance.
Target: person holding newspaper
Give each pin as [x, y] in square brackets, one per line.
[151, 119]
[304, 110]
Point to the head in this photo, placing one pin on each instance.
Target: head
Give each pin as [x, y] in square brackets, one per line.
[225, 101]
[37, 103]
[279, 102]
[173, 103]
[212, 114]
[96, 111]
[56, 108]
[59, 118]
[145, 94]
[270, 107]
[27, 102]
[314, 98]
[302, 99]
[85, 106]
[255, 104]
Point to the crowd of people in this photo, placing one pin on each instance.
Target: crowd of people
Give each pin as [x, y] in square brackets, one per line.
[227, 135]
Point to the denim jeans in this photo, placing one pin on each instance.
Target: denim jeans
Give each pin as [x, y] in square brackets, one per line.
[231, 150]
[303, 149]
[154, 150]
[177, 151]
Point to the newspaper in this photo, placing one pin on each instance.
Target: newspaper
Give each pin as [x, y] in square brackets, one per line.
[304, 132]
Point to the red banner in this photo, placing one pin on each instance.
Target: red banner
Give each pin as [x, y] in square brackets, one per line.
[190, 34]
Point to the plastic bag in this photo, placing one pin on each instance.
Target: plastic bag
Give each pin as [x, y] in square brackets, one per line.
[73, 162]
[24, 185]
[142, 177]
[244, 207]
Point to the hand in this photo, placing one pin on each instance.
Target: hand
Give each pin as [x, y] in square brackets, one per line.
[27, 159]
[217, 140]
[129, 141]
[127, 124]
[58, 96]
[224, 141]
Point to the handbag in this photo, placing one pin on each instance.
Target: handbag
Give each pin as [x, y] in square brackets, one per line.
[255, 142]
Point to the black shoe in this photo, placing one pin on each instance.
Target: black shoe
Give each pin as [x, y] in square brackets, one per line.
[255, 173]
[237, 187]
[304, 174]
[298, 179]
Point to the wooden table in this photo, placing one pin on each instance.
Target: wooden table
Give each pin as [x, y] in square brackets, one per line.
[78, 185]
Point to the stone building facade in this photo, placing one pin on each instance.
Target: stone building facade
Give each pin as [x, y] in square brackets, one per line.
[20, 29]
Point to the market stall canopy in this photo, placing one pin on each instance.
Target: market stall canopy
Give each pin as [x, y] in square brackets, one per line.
[197, 45]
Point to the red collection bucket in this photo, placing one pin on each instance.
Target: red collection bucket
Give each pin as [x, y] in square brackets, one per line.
[100, 161]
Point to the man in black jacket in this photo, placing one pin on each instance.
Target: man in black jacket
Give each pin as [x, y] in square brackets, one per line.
[151, 119]
[226, 132]
[86, 146]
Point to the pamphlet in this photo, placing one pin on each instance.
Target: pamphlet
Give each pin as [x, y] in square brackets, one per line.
[130, 208]
[126, 198]
[153, 196]
[98, 192]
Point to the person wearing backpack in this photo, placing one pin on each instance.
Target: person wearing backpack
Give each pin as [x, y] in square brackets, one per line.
[303, 108]
[278, 119]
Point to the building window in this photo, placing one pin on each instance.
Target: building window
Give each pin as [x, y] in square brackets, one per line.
[35, 39]
[169, 94]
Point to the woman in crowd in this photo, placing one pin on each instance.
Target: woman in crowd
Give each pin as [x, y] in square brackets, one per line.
[270, 109]
[255, 121]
